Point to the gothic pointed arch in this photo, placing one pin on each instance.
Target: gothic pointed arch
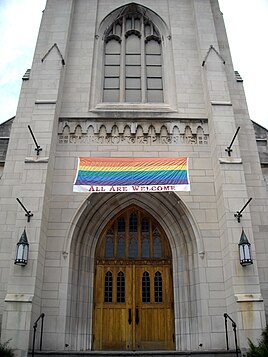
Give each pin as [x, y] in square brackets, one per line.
[186, 249]
[133, 268]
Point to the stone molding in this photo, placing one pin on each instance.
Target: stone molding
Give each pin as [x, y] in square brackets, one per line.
[222, 103]
[45, 101]
[194, 132]
[36, 159]
[19, 298]
[230, 160]
[248, 297]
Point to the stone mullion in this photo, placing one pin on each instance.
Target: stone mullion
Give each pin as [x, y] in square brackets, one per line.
[115, 239]
[122, 94]
[139, 234]
[127, 234]
[151, 241]
[143, 64]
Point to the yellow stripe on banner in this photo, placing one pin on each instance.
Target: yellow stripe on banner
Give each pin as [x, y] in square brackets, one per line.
[133, 168]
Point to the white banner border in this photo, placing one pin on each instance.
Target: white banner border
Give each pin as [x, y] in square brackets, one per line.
[132, 188]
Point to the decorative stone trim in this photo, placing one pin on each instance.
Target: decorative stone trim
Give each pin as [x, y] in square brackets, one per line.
[152, 132]
[238, 77]
[211, 47]
[248, 297]
[58, 51]
[26, 75]
[128, 107]
[41, 101]
[35, 160]
[223, 103]
[230, 160]
[19, 298]
[201, 254]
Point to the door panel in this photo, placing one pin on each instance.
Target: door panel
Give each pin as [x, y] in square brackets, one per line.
[137, 316]
[155, 328]
[112, 326]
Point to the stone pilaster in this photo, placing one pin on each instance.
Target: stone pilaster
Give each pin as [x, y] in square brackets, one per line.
[229, 177]
[29, 176]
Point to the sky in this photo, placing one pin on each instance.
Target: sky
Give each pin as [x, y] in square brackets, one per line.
[246, 23]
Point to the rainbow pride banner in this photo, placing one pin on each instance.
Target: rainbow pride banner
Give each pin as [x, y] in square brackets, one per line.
[102, 174]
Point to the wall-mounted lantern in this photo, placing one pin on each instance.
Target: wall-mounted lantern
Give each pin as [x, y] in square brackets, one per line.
[22, 250]
[244, 250]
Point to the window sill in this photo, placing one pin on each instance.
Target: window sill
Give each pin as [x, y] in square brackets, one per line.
[133, 107]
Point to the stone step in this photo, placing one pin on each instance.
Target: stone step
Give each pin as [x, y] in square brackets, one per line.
[212, 353]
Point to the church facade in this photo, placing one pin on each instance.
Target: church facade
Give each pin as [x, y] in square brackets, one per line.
[154, 267]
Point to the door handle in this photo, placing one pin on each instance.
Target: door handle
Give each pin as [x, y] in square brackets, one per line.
[129, 317]
[137, 319]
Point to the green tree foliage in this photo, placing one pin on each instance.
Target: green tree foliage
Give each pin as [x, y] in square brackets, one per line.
[5, 350]
[260, 350]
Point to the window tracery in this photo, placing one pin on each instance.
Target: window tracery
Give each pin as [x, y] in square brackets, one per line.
[133, 234]
[133, 60]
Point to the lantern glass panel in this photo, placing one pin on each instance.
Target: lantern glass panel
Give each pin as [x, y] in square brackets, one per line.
[20, 252]
[25, 252]
[247, 252]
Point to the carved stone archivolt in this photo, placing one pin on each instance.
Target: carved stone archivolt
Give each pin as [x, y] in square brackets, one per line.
[142, 133]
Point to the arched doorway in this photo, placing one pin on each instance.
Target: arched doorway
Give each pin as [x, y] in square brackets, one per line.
[174, 219]
[133, 291]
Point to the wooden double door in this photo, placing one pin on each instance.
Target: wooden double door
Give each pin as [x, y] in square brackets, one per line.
[133, 294]
[133, 307]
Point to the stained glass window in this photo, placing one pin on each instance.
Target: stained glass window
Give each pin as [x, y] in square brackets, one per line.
[108, 287]
[109, 244]
[145, 287]
[134, 234]
[158, 288]
[120, 293]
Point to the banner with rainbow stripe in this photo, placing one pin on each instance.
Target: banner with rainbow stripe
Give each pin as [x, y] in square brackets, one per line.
[103, 174]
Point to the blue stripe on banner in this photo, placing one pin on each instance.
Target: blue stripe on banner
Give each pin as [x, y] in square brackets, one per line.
[175, 177]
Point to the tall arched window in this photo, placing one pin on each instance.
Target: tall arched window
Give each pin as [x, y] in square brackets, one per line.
[133, 60]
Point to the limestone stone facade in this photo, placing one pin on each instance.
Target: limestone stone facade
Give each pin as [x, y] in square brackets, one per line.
[203, 105]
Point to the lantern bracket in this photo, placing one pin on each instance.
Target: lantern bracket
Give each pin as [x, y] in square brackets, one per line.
[28, 214]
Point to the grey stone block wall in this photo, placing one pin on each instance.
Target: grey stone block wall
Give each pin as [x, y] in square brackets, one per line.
[203, 107]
